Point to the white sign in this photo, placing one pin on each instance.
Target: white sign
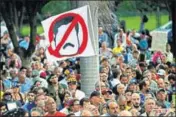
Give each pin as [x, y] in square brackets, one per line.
[159, 40]
[69, 34]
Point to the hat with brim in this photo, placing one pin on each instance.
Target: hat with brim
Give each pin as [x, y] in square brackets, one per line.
[161, 72]
[161, 90]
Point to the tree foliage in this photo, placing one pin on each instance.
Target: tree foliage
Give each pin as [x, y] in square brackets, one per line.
[13, 12]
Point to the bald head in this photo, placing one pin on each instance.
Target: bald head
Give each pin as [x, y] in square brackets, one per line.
[136, 100]
[125, 113]
[86, 113]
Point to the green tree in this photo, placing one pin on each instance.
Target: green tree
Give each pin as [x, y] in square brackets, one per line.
[10, 10]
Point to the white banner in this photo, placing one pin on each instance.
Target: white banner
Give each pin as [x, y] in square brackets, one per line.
[159, 40]
[68, 34]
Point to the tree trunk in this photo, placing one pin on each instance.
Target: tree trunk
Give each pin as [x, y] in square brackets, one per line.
[33, 31]
[9, 22]
[89, 66]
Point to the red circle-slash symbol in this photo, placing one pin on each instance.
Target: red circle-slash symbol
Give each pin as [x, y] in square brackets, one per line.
[77, 19]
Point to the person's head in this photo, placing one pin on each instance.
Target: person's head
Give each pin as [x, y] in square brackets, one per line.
[50, 105]
[63, 64]
[95, 98]
[84, 102]
[107, 94]
[147, 74]
[112, 108]
[86, 112]
[104, 45]
[40, 100]
[72, 83]
[52, 79]
[172, 79]
[132, 86]
[37, 112]
[122, 101]
[161, 83]
[7, 96]
[128, 94]
[104, 62]
[144, 85]
[125, 113]
[128, 71]
[161, 73]
[67, 97]
[21, 77]
[75, 107]
[121, 31]
[29, 72]
[100, 30]
[136, 100]
[149, 105]
[23, 69]
[41, 50]
[119, 43]
[163, 58]
[168, 47]
[93, 109]
[101, 84]
[121, 88]
[103, 77]
[3, 107]
[13, 72]
[161, 95]
[58, 71]
[124, 79]
[30, 96]
[134, 112]
[105, 70]
[136, 54]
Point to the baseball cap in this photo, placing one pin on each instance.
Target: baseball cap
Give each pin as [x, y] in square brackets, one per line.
[161, 90]
[161, 72]
[106, 91]
[71, 80]
[43, 74]
[95, 93]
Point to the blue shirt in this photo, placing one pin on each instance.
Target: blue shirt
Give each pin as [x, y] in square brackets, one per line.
[9, 83]
[24, 44]
[28, 106]
[103, 37]
[26, 86]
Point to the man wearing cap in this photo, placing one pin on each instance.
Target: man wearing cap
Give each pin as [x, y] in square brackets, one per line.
[107, 94]
[161, 73]
[161, 97]
[72, 87]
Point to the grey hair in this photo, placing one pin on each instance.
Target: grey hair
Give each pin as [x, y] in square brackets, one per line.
[38, 110]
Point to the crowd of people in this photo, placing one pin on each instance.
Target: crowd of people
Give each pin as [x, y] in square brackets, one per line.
[133, 81]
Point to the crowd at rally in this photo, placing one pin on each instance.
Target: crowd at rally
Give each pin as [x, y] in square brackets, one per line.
[134, 81]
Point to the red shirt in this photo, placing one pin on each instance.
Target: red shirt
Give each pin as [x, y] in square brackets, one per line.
[57, 114]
